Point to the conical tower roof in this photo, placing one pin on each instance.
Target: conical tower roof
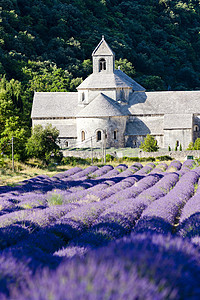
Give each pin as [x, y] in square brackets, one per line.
[101, 106]
[102, 49]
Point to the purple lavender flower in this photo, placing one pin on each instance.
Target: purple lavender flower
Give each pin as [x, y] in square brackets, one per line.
[137, 165]
[189, 163]
[147, 266]
[175, 165]
[102, 171]
[87, 171]
[161, 214]
[146, 169]
[189, 223]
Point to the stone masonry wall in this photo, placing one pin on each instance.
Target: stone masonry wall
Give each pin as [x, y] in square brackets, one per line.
[179, 155]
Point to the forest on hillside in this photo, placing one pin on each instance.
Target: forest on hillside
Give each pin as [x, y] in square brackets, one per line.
[46, 45]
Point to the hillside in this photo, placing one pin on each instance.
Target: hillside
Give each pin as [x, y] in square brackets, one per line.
[159, 37]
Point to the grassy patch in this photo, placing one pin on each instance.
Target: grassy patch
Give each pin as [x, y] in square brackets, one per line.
[55, 199]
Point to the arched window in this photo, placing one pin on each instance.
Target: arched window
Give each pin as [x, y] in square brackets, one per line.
[196, 128]
[102, 64]
[115, 134]
[98, 135]
[82, 136]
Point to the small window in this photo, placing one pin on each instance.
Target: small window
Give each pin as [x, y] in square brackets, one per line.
[102, 64]
[98, 135]
[177, 143]
[196, 128]
[82, 136]
[115, 134]
[122, 95]
[66, 144]
[83, 96]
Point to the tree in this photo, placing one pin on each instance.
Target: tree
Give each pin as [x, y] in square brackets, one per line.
[14, 129]
[149, 144]
[12, 123]
[125, 66]
[176, 146]
[43, 144]
[46, 77]
[197, 144]
[190, 146]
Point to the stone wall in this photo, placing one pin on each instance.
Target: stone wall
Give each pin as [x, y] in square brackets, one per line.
[91, 125]
[179, 155]
[83, 154]
[182, 136]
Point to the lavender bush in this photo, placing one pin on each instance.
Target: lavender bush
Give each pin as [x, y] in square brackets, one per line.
[93, 234]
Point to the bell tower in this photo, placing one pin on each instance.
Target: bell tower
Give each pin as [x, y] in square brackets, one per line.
[103, 58]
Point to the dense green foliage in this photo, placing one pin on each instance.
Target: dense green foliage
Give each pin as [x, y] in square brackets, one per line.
[47, 46]
[43, 144]
[150, 144]
[13, 123]
[195, 145]
[160, 38]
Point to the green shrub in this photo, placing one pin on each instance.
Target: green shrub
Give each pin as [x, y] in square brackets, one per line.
[109, 157]
[164, 157]
[134, 159]
[190, 146]
[149, 144]
[73, 161]
[43, 144]
[55, 199]
[142, 159]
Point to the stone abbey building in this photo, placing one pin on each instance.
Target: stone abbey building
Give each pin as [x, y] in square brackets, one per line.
[111, 107]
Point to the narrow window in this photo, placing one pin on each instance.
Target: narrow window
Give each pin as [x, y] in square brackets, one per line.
[115, 134]
[66, 144]
[102, 64]
[98, 135]
[83, 96]
[122, 95]
[196, 128]
[82, 136]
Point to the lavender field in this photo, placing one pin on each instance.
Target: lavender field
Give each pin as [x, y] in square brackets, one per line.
[103, 233]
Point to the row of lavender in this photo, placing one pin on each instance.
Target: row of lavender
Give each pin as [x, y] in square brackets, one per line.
[98, 206]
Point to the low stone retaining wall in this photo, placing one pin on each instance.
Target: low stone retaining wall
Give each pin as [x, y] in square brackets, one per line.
[82, 154]
[179, 155]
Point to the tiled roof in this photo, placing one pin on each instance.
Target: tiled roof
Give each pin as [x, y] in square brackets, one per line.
[169, 102]
[102, 80]
[55, 104]
[101, 106]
